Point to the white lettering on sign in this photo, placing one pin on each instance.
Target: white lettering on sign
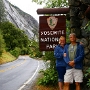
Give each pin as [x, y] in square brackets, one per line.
[50, 46]
[59, 32]
[49, 39]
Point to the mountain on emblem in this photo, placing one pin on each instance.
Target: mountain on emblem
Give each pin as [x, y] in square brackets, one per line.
[52, 22]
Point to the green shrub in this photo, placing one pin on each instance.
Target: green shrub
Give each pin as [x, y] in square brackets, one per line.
[16, 52]
[49, 55]
[49, 77]
[24, 51]
[87, 75]
[38, 54]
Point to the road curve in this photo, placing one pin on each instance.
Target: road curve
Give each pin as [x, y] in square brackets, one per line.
[15, 75]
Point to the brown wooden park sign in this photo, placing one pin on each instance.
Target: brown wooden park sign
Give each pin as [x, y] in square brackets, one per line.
[51, 27]
[50, 30]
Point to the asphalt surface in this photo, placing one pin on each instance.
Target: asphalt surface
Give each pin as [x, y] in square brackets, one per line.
[19, 74]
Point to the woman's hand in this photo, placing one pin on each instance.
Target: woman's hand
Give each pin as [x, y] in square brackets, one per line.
[64, 54]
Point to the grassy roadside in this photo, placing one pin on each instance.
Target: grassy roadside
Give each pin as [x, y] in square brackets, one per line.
[35, 85]
[6, 57]
[46, 88]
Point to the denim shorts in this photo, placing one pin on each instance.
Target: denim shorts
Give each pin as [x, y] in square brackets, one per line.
[61, 72]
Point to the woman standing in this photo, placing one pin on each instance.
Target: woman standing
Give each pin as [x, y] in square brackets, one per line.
[60, 63]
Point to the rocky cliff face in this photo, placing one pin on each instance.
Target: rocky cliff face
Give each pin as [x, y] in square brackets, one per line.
[21, 19]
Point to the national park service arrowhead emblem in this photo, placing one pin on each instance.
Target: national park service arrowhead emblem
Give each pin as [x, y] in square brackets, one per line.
[52, 22]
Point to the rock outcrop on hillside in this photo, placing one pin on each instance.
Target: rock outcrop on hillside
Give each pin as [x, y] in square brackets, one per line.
[21, 19]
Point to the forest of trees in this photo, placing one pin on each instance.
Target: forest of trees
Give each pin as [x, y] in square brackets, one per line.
[15, 40]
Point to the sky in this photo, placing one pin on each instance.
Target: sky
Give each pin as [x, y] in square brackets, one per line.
[27, 6]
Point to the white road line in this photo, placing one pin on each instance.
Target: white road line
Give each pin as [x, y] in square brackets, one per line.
[30, 78]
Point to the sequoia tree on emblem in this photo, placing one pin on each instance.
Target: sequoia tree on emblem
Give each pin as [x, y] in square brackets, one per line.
[52, 22]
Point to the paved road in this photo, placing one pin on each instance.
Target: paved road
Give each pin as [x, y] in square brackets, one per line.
[15, 75]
